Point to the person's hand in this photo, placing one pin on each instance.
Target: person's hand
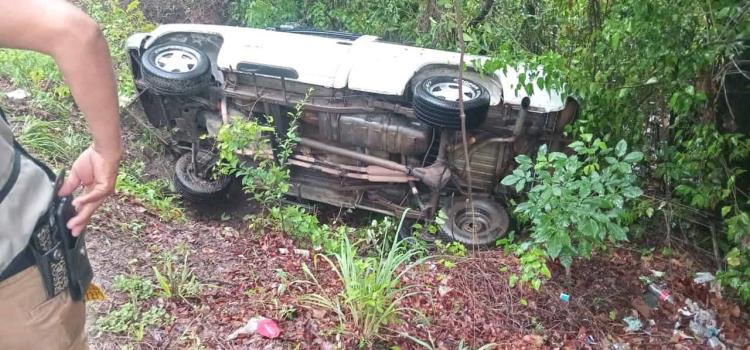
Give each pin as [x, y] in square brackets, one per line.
[97, 173]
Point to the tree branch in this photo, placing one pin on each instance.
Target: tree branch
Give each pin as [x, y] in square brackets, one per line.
[486, 8]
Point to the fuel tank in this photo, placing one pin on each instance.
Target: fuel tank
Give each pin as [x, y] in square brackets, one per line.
[383, 132]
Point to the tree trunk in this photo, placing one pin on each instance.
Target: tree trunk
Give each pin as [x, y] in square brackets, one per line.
[430, 12]
[486, 8]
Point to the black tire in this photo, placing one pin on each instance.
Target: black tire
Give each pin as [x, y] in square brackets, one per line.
[491, 218]
[405, 232]
[188, 77]
[415, 240]
[436, 102]
[194, 187]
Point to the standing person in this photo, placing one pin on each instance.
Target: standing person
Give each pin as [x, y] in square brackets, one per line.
[34, 313]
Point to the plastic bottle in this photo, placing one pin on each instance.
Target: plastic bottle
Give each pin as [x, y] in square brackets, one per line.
[660, 292]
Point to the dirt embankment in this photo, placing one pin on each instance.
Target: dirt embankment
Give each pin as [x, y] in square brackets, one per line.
[185, 11]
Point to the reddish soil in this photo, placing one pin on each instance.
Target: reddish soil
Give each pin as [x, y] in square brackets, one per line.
[471, 301]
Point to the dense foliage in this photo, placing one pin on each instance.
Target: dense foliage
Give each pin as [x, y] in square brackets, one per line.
[576, 203]
[657, 74]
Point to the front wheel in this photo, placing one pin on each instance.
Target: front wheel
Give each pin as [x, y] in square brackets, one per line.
[197, 182]
[176, 69]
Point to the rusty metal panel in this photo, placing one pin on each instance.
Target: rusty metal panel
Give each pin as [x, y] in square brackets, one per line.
[388, 133]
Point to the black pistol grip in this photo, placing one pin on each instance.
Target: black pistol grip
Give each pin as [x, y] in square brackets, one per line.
[79, 268]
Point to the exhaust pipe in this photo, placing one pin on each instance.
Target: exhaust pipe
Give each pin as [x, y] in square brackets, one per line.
[522, 115]
[431, 176]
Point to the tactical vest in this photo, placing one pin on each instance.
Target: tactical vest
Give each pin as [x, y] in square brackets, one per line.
[25, 195]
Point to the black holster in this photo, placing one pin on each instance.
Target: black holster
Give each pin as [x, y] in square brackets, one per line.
[61, 258]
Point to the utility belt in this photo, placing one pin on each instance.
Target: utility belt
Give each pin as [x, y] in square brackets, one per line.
[60, 257]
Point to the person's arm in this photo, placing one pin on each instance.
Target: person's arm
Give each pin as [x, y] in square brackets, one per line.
[74, 40]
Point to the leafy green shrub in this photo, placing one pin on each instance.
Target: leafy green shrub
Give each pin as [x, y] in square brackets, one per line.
[266, 13]
[451, 248]
[532, 259]
[301, 224]
[267, 179]
[150, 193]
[130, 320]
[175, 276]
[687, 52]
[431, 227]
[737, 275]
[706, 166]
[533, 267]
[393, 19]
[534, 270]
[372, 287]
[576, 202]
[137, 287]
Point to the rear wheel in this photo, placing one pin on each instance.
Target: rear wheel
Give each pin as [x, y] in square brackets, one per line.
[489, 221]
[436, 102]
[198, 183]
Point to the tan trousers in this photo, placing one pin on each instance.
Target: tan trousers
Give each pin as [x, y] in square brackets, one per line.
[30, 321]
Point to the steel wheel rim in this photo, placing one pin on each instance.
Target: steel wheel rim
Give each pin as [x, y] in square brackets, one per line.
[487, 222]
[449, 90]
[478, 226]
[176, 60]
[204, 160]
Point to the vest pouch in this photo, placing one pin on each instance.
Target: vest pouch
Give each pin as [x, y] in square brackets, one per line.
[50, 259]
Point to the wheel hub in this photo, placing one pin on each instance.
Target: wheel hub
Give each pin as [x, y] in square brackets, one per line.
[482, 225]
[478, 223]
[202, 166]
[449, 91]
[194, 187]
[176, 60]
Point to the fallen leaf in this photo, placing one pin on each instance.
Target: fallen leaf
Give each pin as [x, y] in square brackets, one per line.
[533, 339]
[641, 307]
[318, 313]
[736, 312]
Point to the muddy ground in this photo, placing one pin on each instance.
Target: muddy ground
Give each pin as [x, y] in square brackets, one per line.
[185, 11]
[471, 301]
